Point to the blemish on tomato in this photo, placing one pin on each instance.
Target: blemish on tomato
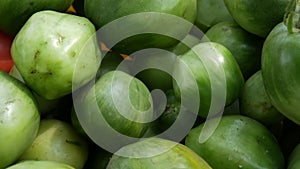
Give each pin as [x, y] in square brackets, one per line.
[37, 53]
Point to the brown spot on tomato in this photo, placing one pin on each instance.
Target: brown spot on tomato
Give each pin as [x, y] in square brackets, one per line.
[33, 71]
[60, 38]
[36, 54]
[73, 54]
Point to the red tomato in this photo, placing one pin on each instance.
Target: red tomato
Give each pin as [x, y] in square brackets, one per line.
[6, 61]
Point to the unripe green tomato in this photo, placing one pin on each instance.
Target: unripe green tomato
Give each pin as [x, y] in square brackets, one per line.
[58, 141]
[124, 102]
[193, 68]
[32, 164]
[237, 142]
[280, 70]
[103, 12]
[255, 102]
[15, 13]
[244, 46]
[256, 16]
[62, 55]
[19, 119]
[210, 13]
[156, 153]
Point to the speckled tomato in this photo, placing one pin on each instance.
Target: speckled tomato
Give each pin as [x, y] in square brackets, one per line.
[62, 56]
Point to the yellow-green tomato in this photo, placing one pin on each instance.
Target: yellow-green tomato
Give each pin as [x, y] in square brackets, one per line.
[58, 141]
[30, 164]
[19, 119]
[156, 153]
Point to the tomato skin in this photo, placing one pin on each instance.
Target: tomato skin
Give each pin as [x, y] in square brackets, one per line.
[280, 70]
[156, 153]
[233, 75]
[244, 46]
[14, 13]
[52, 77]
[255, 103]
[19, 119]
[106, 12]
[34, 164]
[107, 89]
[57, 141]
[210, 13]
[256, 16]
[6, 61]
[240, 141]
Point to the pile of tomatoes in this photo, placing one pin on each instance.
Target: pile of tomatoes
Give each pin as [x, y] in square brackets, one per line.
[153, 84]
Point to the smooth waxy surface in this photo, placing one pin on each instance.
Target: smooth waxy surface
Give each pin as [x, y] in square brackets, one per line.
[39, 165]
[226, 148]
[280, 71]
[157, 153]
[62, 55]
[19, 119]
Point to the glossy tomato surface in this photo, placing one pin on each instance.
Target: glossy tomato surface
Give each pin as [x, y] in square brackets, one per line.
[280, 70]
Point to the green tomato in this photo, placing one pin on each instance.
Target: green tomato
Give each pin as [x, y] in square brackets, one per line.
[58, 141]
[62, 56]
[104, 8]
[255, 102]
[156, 153]
[210, 13]
[40, 164]
[103, 12]
[280, 71]
[244, 46]
[256, 16]
[15, 13]
[19, 119]
[221, 60]
[237, 142]
[124, 102]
